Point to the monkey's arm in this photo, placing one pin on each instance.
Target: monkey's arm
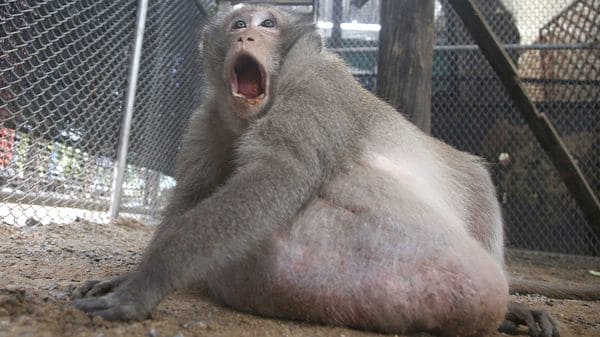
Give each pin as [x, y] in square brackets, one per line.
[203, 163]
[276, 175]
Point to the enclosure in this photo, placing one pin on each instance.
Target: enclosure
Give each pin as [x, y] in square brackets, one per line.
[67, 149]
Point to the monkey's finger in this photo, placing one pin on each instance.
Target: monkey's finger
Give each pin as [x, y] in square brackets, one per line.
[102, 288]
[110, 315]
[122, 313]
[92, 304]
[80, 292]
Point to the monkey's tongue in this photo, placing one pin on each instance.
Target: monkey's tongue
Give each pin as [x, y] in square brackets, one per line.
[250, 82]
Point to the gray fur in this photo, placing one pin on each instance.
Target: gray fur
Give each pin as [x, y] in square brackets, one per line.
[326, 205]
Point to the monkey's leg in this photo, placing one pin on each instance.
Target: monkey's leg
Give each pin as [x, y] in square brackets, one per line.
[539, 322]
[202, 163]
[485, 225]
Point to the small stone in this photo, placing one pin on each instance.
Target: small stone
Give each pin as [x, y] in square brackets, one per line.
[179, 334]
[60, 295]
[195, 325]
[504, 159]
[152, 333]
[31, 222]
[97, 320]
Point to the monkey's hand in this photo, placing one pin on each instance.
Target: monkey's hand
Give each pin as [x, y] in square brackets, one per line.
[538, 321]
[114, 300]
[95, 288]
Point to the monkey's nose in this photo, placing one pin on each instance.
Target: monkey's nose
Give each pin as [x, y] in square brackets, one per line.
[241, 39]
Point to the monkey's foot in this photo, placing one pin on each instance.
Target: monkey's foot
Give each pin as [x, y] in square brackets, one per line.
[120, 305]
[539, 322]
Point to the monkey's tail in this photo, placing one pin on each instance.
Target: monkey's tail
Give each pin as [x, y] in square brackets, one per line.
[571, 292]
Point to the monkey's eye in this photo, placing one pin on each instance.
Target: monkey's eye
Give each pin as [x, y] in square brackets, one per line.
[239, 24]
[268, 23]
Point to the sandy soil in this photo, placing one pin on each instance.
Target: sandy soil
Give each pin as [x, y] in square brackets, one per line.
[41, 265]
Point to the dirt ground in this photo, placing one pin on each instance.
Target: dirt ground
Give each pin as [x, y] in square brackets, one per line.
[41, 265]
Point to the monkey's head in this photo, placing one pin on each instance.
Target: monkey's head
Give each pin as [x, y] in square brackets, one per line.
[243, 51]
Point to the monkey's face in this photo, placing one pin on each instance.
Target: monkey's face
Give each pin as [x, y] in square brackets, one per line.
[252, 58]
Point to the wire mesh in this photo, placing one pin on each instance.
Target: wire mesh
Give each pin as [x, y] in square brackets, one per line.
[63, 68]
[61, 87]
[353, 33]
[554, 43]
[169, 90]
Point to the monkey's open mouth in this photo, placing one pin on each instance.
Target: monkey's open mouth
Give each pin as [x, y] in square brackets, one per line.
[248, 78]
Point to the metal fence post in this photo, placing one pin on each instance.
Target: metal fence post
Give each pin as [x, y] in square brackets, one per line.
[120, 164]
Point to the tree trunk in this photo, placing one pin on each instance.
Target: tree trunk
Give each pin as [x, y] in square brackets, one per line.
[405, 58]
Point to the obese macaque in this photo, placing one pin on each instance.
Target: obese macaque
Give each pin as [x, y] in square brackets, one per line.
[301, 195]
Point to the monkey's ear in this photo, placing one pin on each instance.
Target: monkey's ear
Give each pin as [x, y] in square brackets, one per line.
[210, 31]
[303, 29]
[304, 18]
[307, 21]
[213, 40]
[316, 39]
[306, 41]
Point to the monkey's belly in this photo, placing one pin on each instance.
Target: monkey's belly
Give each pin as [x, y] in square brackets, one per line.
[371, 270]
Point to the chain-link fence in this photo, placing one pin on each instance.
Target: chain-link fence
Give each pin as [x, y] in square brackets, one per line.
[168, 91]
[63, 71]
[555, 45]
[63, 67]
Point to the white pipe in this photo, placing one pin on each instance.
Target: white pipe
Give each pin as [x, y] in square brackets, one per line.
[120, 164]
